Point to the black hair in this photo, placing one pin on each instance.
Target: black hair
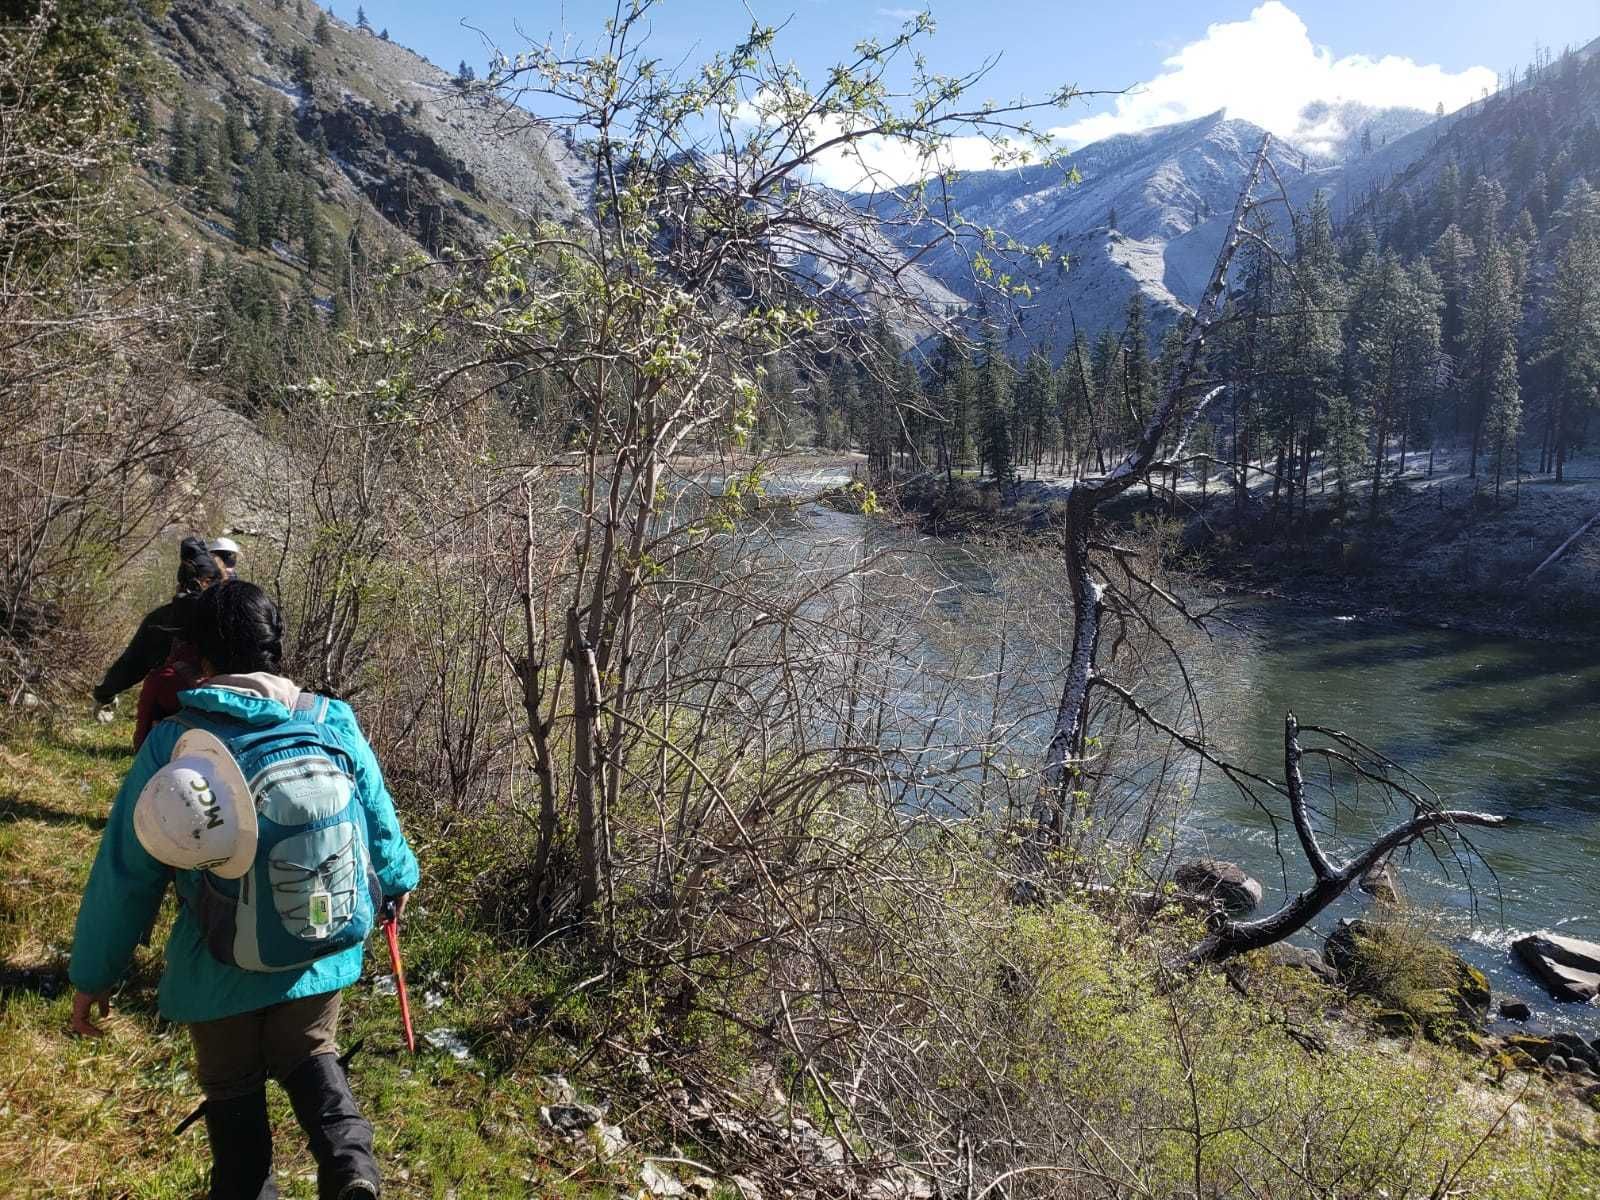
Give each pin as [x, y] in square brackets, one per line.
[196, 568]
[237, 629]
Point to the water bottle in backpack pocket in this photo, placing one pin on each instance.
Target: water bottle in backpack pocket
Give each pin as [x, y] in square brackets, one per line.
[311, 891]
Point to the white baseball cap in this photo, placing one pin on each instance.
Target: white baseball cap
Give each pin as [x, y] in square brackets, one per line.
[224, 545]
[196, 813]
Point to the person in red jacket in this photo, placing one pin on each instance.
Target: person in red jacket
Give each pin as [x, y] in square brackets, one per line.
[158, 697]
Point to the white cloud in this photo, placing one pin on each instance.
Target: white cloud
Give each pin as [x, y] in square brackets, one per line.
[876, 162]
[1266, 69]
[872, 161]
[900, 14]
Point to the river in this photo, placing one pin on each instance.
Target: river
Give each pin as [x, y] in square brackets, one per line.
[1495, 724]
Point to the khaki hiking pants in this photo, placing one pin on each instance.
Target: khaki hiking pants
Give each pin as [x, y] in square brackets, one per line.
[234, 1056]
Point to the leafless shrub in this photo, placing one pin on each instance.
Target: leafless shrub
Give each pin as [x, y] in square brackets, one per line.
[99, 447]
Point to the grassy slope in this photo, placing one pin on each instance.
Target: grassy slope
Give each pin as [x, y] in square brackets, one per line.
[81, 1118]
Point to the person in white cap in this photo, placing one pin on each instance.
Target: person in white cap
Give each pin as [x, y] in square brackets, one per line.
[280, 881]
[152, 642]
[226, 551]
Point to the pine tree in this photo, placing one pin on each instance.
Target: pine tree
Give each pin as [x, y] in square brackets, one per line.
[246, 213]
[1036, 410]
[1105, 401]
[1344, 448]
[1491, 320]
[1447, 199]
[1579, 214]
[1395, 336]
[144, 122]
[324, 30]
[285, 139]
[1484, 205]
[994, 410]
[844, 393]
[1504, 417]
[266, 133]
[955, 387]
[878, 422]
[1573, 341]
[361, 19]
[1452, 259]
[180, 159]
[304, 64]
[212, 165]
[233, 133]
[1314, 345]
[1138, 387]
[1074, 399]
[910, 402]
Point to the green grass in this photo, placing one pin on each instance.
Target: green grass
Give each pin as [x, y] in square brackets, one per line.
[95, 1118]
[84, 1118]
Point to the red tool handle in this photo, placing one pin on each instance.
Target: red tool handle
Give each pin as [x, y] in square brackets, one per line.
[391, 931]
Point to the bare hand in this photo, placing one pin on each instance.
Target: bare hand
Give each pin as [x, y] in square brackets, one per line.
[82, 1004]
[397, 905]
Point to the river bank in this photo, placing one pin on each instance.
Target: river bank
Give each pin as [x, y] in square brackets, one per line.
[1443, 551]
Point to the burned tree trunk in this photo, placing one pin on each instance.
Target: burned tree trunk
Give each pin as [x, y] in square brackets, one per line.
[1054, 810]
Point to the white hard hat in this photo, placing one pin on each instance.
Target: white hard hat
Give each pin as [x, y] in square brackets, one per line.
[196, 812]
[223, 544]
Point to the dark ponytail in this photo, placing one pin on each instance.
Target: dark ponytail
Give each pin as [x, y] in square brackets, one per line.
[197, 570]
[238, 630]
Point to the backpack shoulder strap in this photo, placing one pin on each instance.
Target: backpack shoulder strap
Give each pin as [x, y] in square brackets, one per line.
[312, 707]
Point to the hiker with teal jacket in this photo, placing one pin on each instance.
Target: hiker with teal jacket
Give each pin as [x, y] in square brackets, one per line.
[264, 807]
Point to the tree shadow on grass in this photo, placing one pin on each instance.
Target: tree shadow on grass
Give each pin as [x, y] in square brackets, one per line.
[14, 808]
[57, 740]
[48, 981]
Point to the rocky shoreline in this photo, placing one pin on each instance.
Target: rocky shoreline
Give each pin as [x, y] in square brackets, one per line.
[1443, 997]
[1371, 580]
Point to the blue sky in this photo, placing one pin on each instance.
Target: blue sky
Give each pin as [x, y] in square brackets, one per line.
[1261, 59]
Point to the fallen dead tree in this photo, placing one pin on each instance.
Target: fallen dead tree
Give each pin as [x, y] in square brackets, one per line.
[1330, 878]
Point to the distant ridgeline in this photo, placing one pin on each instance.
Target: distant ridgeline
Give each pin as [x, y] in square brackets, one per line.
[1437, 283]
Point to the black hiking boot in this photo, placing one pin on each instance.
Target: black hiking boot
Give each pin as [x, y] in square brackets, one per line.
[340, 1137]
[241, 1148]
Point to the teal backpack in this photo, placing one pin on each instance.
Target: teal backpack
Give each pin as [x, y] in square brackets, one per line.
[312, 891]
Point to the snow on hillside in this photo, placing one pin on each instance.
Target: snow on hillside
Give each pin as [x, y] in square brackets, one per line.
[1148, 213]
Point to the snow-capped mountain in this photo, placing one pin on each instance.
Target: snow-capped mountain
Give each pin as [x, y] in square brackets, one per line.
[1146, 213]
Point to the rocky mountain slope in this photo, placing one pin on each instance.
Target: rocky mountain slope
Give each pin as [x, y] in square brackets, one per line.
[393, 145]
[388, 140]
[1150, 208]
[1146, 213]
[1508, 137]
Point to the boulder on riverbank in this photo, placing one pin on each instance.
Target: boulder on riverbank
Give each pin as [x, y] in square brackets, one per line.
[1301, 959]
[1569, 967]
[1406, 972]
[1224, 882]
[1382, 882]
[1515, 1010]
